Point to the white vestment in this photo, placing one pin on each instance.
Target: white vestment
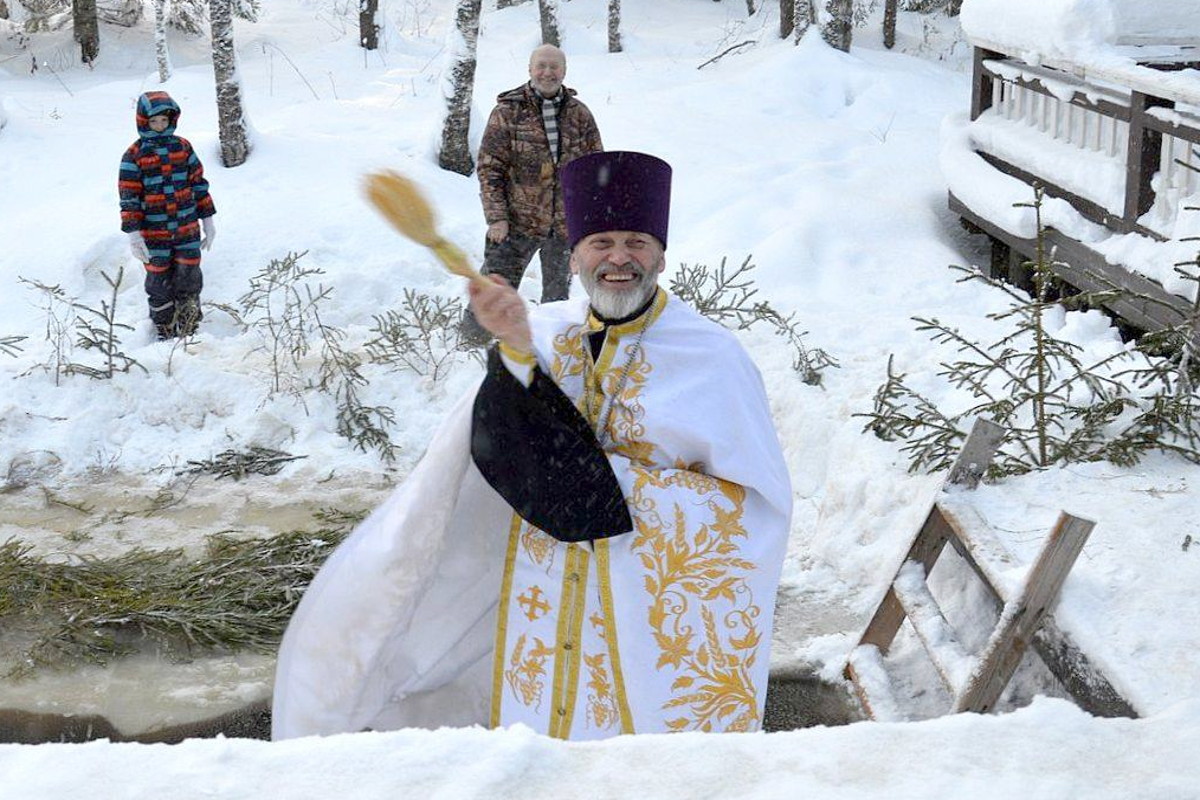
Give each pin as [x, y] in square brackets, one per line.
[445, 608]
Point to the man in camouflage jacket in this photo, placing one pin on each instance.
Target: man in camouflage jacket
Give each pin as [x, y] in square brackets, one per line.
[534, 130]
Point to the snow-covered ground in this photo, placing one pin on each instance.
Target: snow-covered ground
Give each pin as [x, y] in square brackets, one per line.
[822, 166]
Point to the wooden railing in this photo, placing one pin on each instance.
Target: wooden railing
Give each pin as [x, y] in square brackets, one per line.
[1150, 133]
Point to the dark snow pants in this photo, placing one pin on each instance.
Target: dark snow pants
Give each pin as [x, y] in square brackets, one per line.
[173, 285]
[510, 258]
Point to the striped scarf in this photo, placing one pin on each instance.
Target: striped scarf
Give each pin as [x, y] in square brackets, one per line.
[550, 107]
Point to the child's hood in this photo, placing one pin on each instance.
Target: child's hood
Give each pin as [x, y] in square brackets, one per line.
[151, 104]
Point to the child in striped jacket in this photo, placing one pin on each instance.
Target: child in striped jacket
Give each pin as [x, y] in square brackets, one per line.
[164, 205]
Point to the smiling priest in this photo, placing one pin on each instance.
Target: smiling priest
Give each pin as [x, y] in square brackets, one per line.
[592, 543]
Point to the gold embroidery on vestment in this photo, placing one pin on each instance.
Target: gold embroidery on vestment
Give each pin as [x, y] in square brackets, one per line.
[569, 649]
[527, 671]
[691, 567]
[501, 643]
[602, 711]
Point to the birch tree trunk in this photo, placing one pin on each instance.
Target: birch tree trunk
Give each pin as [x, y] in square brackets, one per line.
[231, 120]
[804, 15]
[838, 29]
[548, 11]
[368, 27]
[889, 23]
[161, 52]
[455, 151]
[87, 29]
[614, 26]
[787, 18]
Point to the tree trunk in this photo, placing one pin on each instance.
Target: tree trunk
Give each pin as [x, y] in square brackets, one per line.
[548, 11]
[804, 15]
[87, 29]
[889, 23]
[787, 18]
[953, 7]
[231, 121]
[160, 41]
[750, 8]
[455, 151]
[368, 27]
[838, 29]
[125, 13]
[614, 26]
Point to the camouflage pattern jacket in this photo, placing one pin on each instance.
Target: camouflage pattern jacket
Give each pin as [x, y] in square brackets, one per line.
[518, 180]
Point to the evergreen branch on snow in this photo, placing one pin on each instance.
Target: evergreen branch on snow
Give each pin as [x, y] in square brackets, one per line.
[238, 596]
[97, 329]
[422, 336]
[728, 298]
[11, 345]
[1054, 406]
[238, 464]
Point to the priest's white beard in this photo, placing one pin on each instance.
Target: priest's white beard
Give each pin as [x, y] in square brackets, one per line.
[613, 303]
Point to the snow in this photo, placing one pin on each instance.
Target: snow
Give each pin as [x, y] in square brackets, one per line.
[826, 168]
[1075, 27]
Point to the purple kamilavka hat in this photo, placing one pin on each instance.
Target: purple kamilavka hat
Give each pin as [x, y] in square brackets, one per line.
[616, 190]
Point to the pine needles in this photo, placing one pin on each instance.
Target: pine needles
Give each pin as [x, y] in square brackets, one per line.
[728, 298]
[237, 465]
[11, 345]
[238, 596]
[1055, 406]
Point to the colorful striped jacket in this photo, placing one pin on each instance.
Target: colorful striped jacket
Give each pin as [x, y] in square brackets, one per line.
[161, 185]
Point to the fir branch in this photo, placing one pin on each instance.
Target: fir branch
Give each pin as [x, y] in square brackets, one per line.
[11, 345]
[237, 465]
[238, 596]
[1056, 407]
[422, 336]
[727, 298]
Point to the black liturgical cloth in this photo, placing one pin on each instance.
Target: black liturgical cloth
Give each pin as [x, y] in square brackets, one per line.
[540, 454]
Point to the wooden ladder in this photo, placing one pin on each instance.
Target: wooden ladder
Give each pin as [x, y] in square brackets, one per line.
[975, 682]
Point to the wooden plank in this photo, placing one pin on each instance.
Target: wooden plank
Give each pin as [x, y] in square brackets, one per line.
[981, 84]
[1088, 209]
[1079, 675]
[978, 545]
[1141, 158]
[1146, 304]
[1087, 270]
[989, 559]
[926, 547]
[1089, 98]
[1022, 616]
[865, 670]
[977, 453]
[952, 662]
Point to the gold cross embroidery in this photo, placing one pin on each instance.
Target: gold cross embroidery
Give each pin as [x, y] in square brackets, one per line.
[533, 602]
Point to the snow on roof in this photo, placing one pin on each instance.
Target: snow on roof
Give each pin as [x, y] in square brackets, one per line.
[1104, 40]
[1070, 28]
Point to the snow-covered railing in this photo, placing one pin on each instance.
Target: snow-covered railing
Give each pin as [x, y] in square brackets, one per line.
[1136, 143]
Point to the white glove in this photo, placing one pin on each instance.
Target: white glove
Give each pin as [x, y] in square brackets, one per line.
[210, 233]
[137, 246]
